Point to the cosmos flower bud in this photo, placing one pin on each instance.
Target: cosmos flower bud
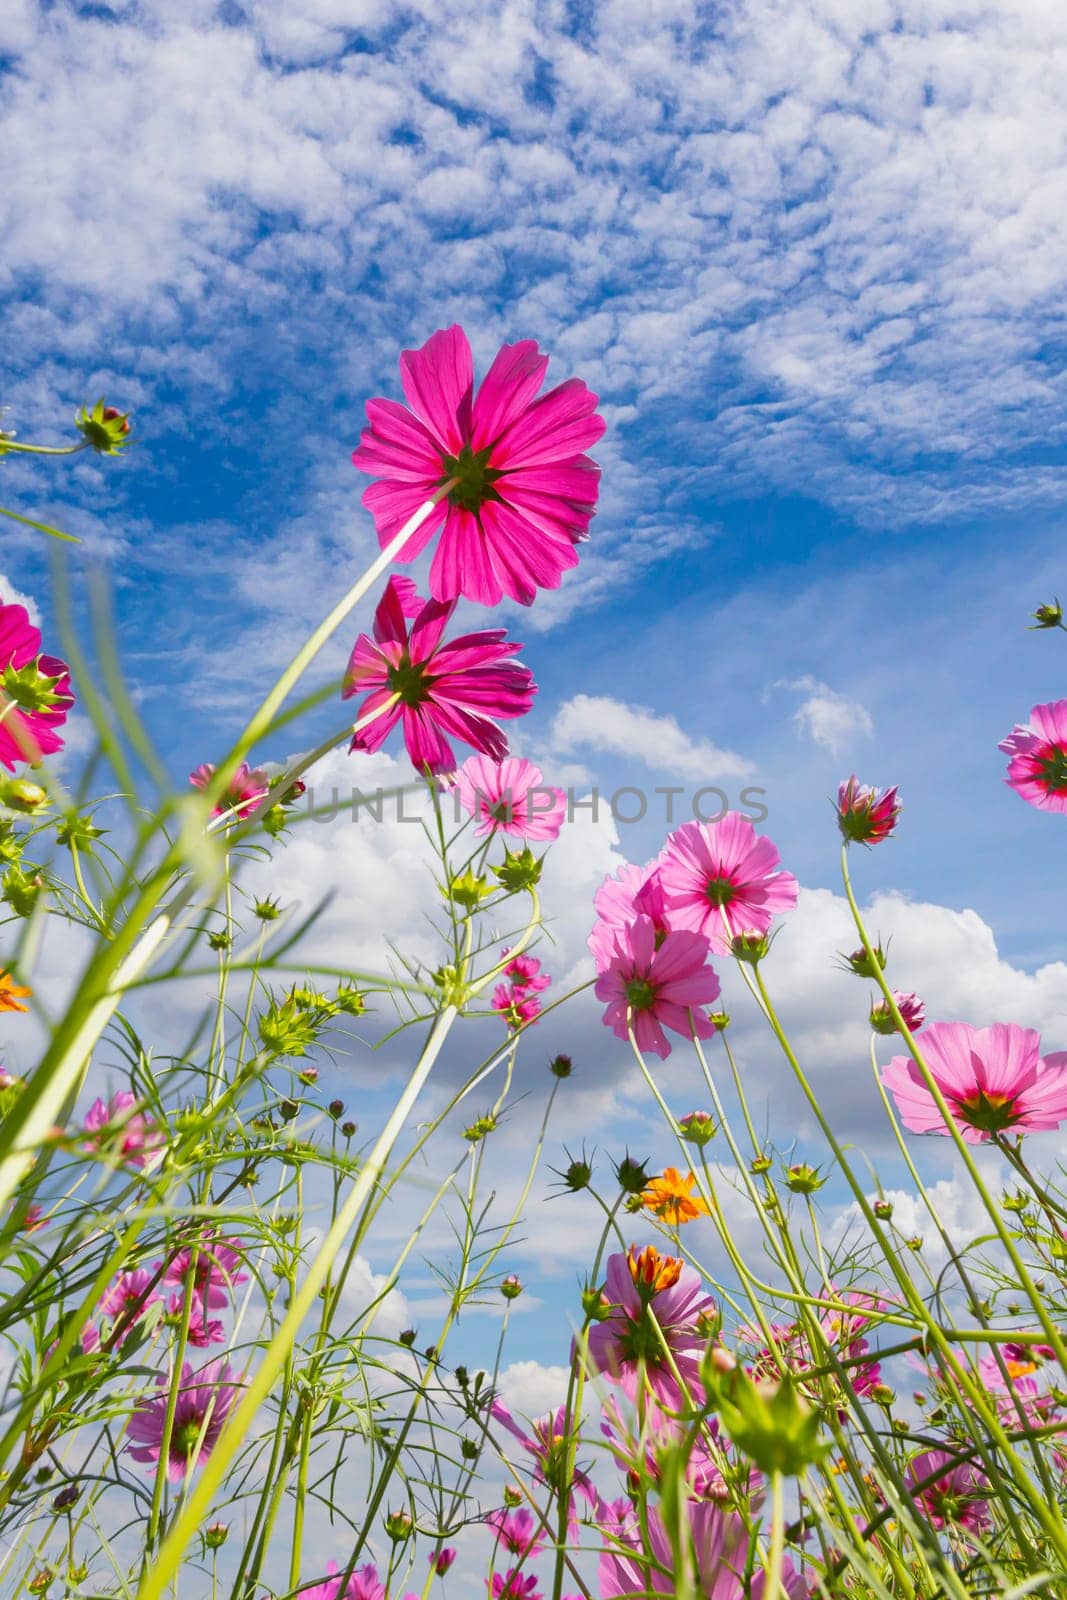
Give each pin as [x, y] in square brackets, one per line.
[861, 964]
[519, 870]
[803, 1179]
[511, 1287]
[698, 1128]
[408, 1337]
[441, 1560]
[883, 1210]
[750, 947]
[759, 1165]
[479, 1128]
[631, 1175]
[561, 1066]
[19, 794]
[21, 890]
[1047, 616]
[104, 428]
[770, 1422]
[578, 1175]
[41, 1581]
[398, 1526]
[719, 1020]
[911, 1009]
[594, 1306]
[216, 1535]
[467, 889]
[512, 1496]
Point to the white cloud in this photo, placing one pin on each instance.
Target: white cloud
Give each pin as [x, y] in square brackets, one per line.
[828, 718]
[597, 722]
[529, 1389]
[9, 595]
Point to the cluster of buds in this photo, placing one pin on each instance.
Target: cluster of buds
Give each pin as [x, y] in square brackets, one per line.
[292, 1025]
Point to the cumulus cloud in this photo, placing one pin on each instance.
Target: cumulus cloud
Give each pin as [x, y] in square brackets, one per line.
[597, 722]
[826, 717]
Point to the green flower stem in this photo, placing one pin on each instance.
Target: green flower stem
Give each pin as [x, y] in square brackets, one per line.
[1052, 1332]
[213, 1472]
[776, 1554]
[7, 444]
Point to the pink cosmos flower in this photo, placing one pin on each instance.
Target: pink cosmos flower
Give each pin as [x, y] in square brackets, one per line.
[130, 1293]
[327, 1590]
[865, 816]
[441, 1560]
[217, 1273]
[631, 892]
[205, 1399]
[720, 1547]
[911, 1008]
[649, 988]
[526, 492]
[118, 1127]
[439, 691]
[1038, 767]
[365, 1584]
[242, 794]
[1021, 1361]
[203, 1330]
[510, 797]
[517, 1006]
[993, 1079]
[549, 1440]
[35, 687]
[518, 1531]
[957, 1497]
[525, 972]
[514, 1585]
[719, 879]
[635, 1285]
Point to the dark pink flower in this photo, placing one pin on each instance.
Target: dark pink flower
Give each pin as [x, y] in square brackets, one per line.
[654, 1299]
[516, 1004]
[217, 1272]
[958, 1497]
[993, 1080]
[1038, 767]
[524, 972]
[203, 1330]
[118, 1127]
[242, 794]
[720, 879]
[526, 491]
[441, 1560]
[514, 1585]
[130, 1293]
[35, 695]
[510, 796]
[205, 1400]
[439, 691]
[631, 892]
[865, 816]
[520, 1532]
[911, 1009]
[649, 987]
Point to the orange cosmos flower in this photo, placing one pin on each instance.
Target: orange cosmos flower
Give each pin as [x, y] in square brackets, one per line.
[672, 1199]
[12, 993]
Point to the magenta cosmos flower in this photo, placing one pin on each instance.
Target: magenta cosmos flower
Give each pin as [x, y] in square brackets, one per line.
[994, 1080]
[439, 691]
[510, 796]
[653, 1299]
[35, 692]
[642, 1563]
[205, 1400]
[631, 892]
[650, 985]
[217, 1272]
[242, 794]
[128, 1298]
[911, 1008]
[519, 1532]
[1038, 766]
[117, 1126]
[721, 879]
[951, 1493]
[865, 816]
[525, 491]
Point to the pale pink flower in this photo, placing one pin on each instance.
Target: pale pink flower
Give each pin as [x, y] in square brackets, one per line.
[329, 1589]
[720, 879]
[117, 1127]
[631, 892]
[365, 1584]
[510, 796]
[205, 1399]
[993, 1080]
[649, 987]
[1038, 767]
[641, 1286]
[35, 692]
[437, 690]
[865, 816]
[719, 1541]
[242, 794]
[526, 490]
[958, 1497]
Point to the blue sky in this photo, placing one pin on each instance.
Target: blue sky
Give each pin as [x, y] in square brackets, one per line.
[812, 255]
